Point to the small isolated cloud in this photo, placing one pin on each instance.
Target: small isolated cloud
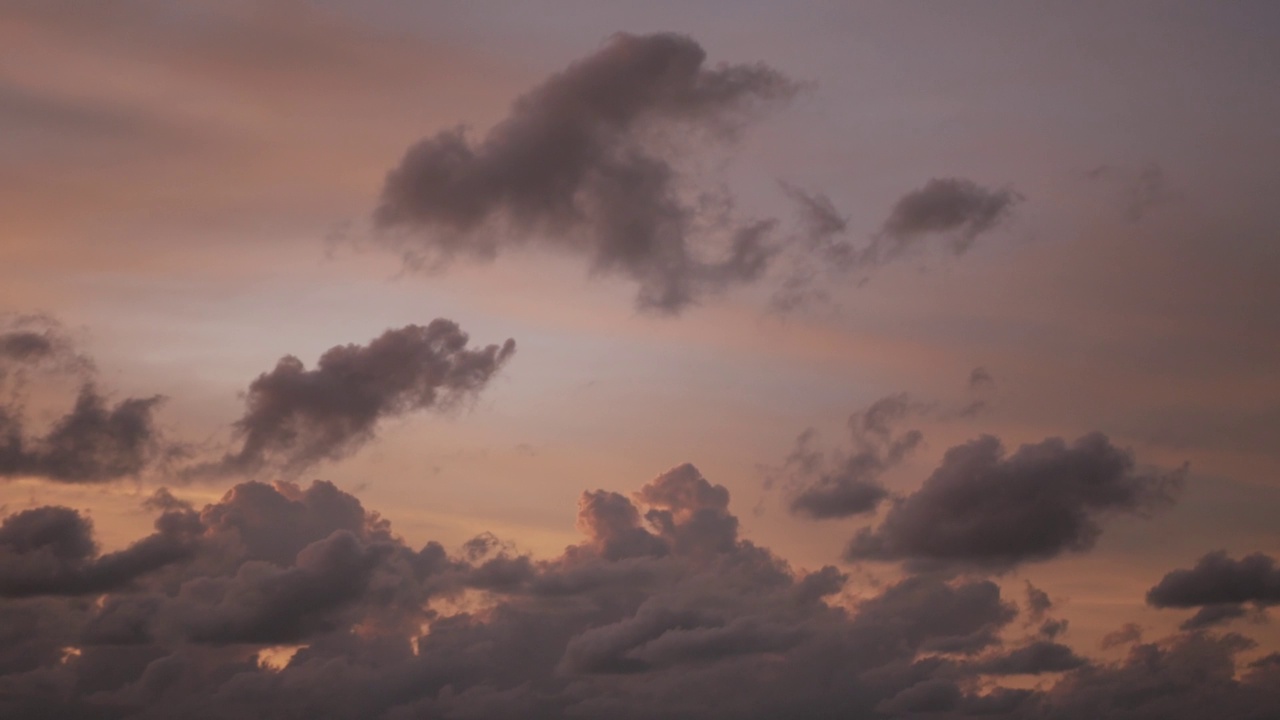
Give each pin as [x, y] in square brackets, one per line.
[586, 163]
[954, 207]
[296, 417]
[1220, 587]
[981, 507]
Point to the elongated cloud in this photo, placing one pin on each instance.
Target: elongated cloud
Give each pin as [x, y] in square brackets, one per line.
[296, 417]
[585, 162]
[1220, 587]
[981, 507]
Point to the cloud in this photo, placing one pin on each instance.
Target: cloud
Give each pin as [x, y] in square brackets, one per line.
[821, 251]
[1127, 634]
[983, 508]
[296, 417]
[1220, 587]
[851, 486]
[94, 442]
[956, 206]
[585, 162]
[50, 551]
[660, 610]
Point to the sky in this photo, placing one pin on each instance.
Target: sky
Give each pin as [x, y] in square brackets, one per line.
[695, 360]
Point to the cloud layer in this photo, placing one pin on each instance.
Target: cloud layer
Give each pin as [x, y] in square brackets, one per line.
[283, 599]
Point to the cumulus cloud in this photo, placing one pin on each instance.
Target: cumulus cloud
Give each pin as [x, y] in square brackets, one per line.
[51, 551]
[660, 610]
[848, 483]
[586, 162]
[295, 417]
[981, 507]
[1220, 587]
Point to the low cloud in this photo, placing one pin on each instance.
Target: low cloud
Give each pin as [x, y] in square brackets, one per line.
[661, 609]
[981, 507]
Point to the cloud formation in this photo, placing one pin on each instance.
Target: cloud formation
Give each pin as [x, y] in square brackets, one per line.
[660, 610]
[295, 417]
[951, 206]
[849, 484]
[983, 508]
[585, 162]
[1220, 587]
[93, 442]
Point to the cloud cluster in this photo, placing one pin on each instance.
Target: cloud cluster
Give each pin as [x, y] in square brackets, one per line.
[1220, 587]
[982, 508]
[295, 417]
[283, 600]
[586, 162]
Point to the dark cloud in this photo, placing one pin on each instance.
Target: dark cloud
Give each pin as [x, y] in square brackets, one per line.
[660, 610]
[585, 162]
[955, 206]
[1041, 656]
[297, 417]
[94, 442]
[50, 551]
[1220, 587]
[983, 508]
[848, 483]
[821, 253]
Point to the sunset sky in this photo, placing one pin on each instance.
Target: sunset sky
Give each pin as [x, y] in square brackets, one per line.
[649, 359]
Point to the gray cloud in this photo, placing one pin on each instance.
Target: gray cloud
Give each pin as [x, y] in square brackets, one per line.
[850, 485]
[297, 417]
[955, 206]
[584, 162]
[93, 442]
[983, 508]
[1220, 587]
[50, 551]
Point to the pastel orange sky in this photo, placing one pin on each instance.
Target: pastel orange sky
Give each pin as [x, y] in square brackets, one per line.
[192, 191]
